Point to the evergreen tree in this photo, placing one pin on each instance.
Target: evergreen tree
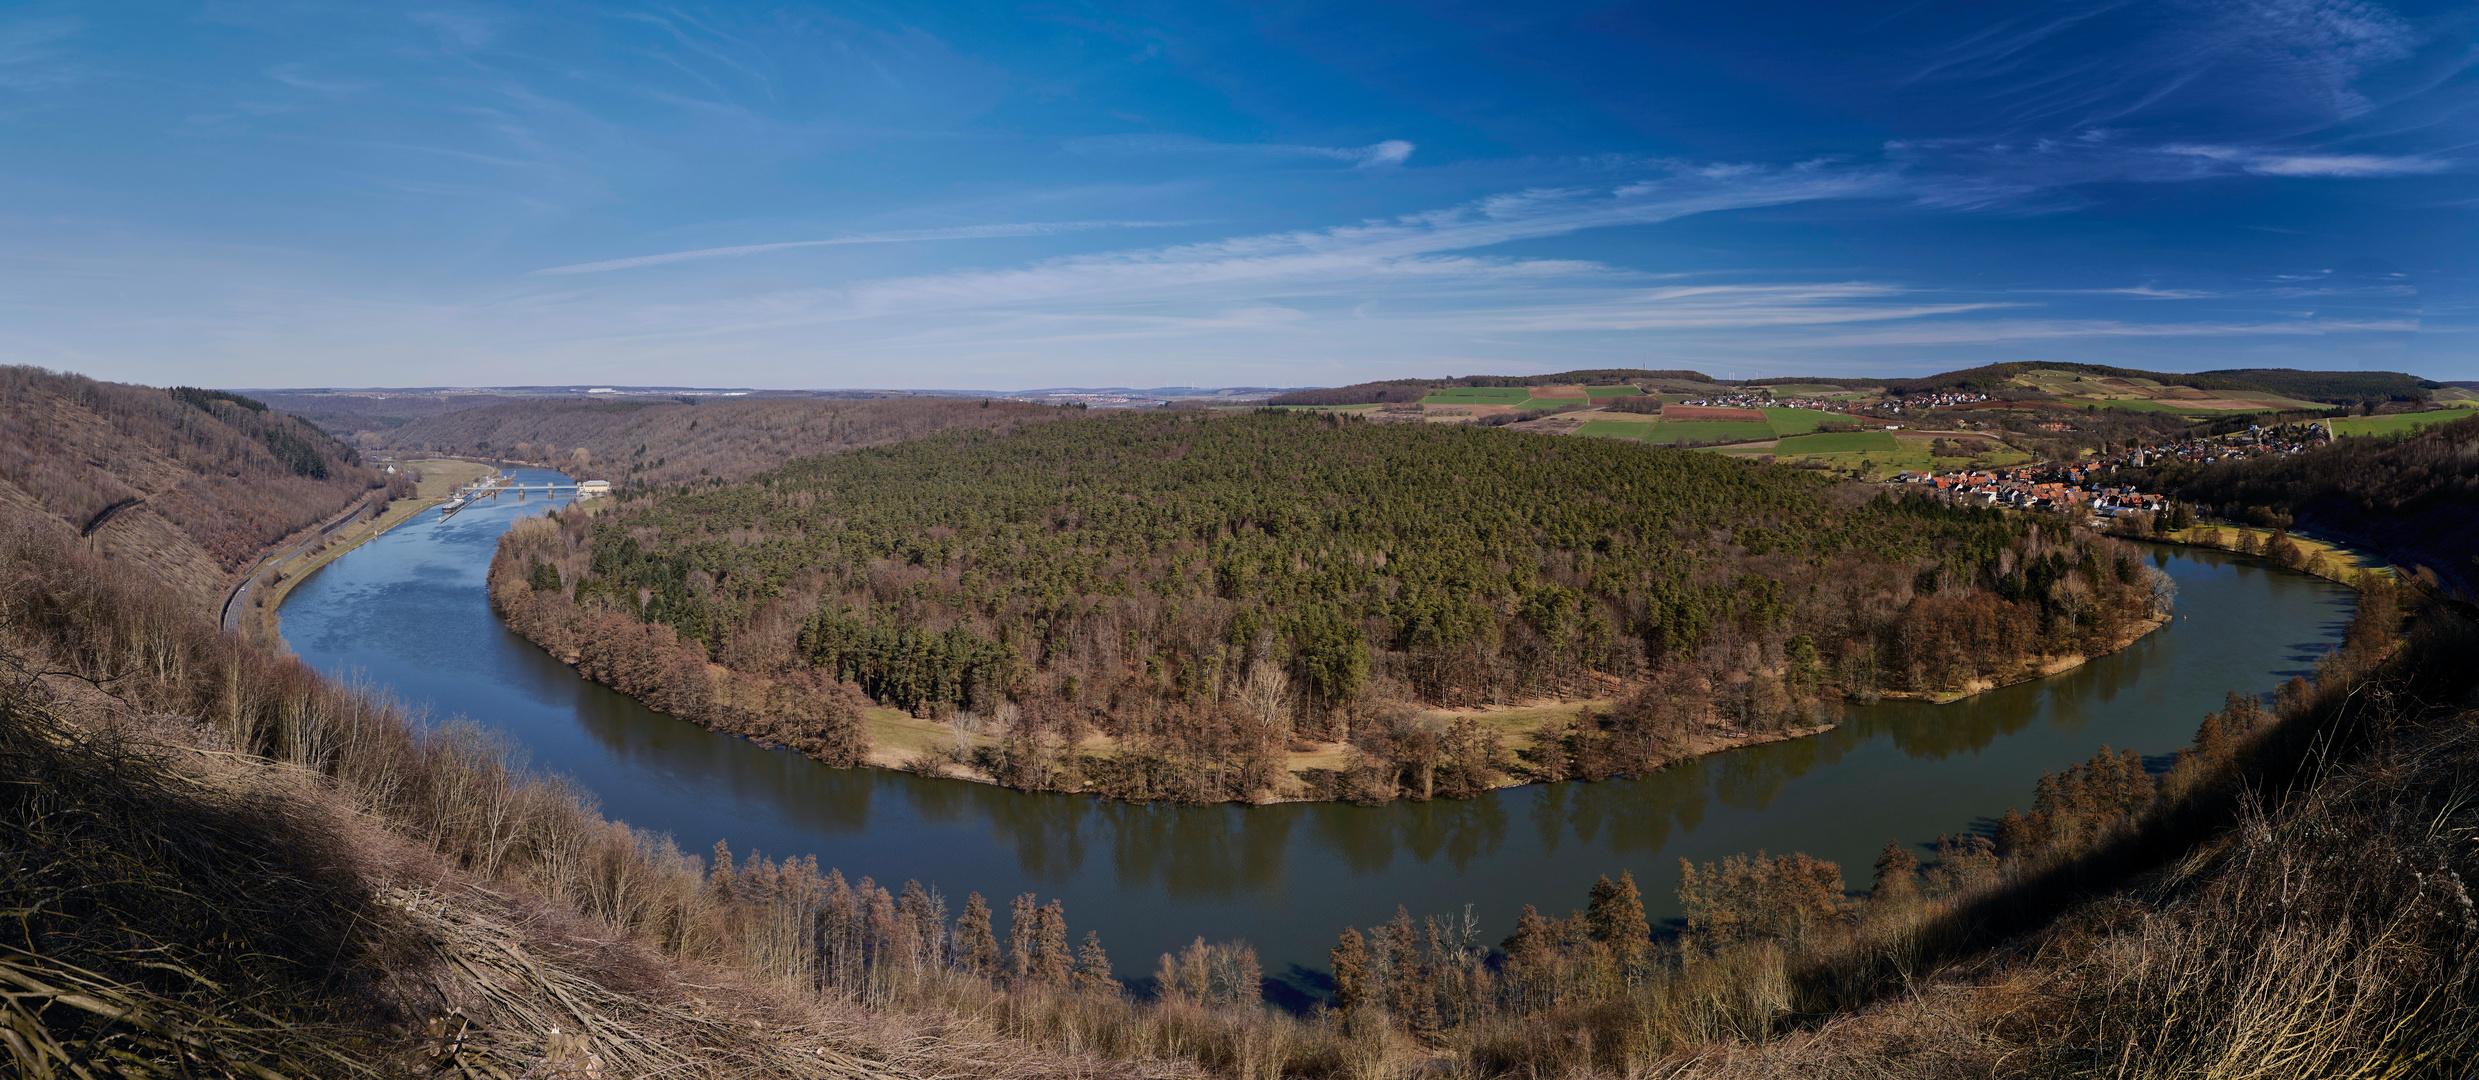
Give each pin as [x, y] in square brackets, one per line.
[1023, 937]
[1051, 963]
[1350, 961]
[1616, 915]
[1093, 967]
[1897, 875]
[976, 948]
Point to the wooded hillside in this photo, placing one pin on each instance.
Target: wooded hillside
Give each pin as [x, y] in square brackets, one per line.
[654, 442]
[2414, 497]
[2336, 387]
[1394, 390]
[1207, 590]
[195, 483]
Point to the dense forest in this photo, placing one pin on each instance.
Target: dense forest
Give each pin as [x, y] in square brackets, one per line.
[666, 441]
[2333, 387]
[1210, 593]
[193, 482]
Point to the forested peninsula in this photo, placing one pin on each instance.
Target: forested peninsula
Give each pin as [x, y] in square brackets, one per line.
[1197, 607]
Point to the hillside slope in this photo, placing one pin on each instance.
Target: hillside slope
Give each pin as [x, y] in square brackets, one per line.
[2332, 387]
[2414, 497]
[655, 442]
[191, 484]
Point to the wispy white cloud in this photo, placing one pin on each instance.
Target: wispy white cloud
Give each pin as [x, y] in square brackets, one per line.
[1993, 331]
[960, 232]
[1375, 155]
[2263, 162]
[2140, 292]
[1408, 246]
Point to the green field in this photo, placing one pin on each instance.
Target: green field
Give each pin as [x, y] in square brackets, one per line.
[1479, 395]
[1795, 421]
[2399, 422]
[1676, 431]
[1611, 391]
[1672, 431]
[1616, 429]
[1840, 443]
[1881, 464]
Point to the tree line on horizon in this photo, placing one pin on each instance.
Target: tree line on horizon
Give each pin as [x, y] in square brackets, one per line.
[651, 442]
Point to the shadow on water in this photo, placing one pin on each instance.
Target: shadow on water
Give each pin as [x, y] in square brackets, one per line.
[408, 611]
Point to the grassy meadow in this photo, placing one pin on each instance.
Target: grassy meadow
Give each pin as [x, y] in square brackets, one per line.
[2400, 423]
[1839, 442]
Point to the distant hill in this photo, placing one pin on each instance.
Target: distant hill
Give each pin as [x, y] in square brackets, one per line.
[2333, 387]
[193, 483]
[2329, 387]
[1392, 391]
[658, 440]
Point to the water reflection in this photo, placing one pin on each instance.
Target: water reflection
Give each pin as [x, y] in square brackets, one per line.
[409, 611]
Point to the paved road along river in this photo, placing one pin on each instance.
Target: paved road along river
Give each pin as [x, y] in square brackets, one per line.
[407, 612]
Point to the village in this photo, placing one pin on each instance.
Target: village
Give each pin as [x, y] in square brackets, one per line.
[1883, 407]
[2068, 487]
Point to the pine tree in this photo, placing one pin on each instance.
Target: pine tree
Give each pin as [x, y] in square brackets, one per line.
[1093, 967]
[1023, 936]
[1051, 963]
[1897, 875]
[1350, 960]
[1616, 915]
[976, 948]
[2014, 837]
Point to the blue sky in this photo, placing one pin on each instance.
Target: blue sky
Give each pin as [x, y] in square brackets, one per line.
[1018, 196]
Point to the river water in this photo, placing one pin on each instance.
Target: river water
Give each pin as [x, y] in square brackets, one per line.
[408, 612]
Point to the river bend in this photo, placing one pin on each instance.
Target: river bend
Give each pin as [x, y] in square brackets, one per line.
[407, 612]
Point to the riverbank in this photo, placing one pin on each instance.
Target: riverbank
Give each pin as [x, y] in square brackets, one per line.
[260, 612]
[407, 611]
[2315, 558]
[2046, 668]
[902, 742]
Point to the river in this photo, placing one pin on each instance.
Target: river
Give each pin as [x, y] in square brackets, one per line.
[407, 612]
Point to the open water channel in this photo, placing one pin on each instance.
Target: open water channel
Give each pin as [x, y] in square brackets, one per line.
[408, 612]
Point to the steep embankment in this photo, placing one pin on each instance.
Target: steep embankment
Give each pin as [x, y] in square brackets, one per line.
[656, 442]
[221, 863]
[2415, 497]
[191, 484]
[1210, 596]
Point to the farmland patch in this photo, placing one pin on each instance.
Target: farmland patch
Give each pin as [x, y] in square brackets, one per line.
[1713, 412]
[1705, 431]
[1841, 442]
[1478, 395]
[1794, 421]
[2399, 422]
[1616, 429]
